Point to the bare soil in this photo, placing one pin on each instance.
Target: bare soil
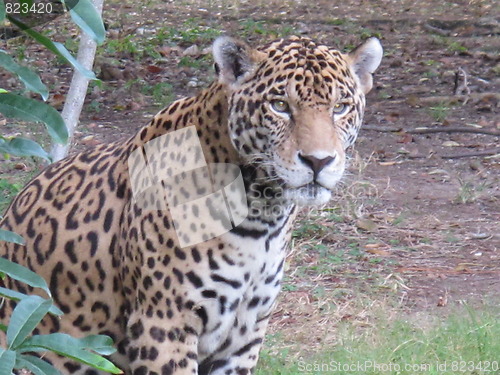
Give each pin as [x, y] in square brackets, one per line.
[417, 220]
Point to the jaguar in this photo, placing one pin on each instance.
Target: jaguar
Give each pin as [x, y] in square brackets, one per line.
[173, 242]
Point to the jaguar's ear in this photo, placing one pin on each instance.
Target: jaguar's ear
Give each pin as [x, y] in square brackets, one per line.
[364, 60]
[234, 59]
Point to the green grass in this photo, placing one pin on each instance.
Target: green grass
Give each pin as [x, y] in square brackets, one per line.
[439, 112]
[466, 342]
[457, 47]
[126, 44]
[8, 190]
[250, 28]
[368, 33]
[337, 21]
[192, 31]
[451, 45]
[469, 191]
[162, 93]
[203, 62]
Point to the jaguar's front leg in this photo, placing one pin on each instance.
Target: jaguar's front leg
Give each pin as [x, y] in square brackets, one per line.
[161, 346]
[239, 354]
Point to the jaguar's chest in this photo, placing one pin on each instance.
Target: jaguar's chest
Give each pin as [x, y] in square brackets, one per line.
[241, 292]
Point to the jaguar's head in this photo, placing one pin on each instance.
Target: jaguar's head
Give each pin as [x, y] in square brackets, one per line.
[294, 108]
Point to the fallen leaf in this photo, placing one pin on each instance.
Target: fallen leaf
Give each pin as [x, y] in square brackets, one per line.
[388, 163]
[395, 63]
[57, 101]
[379, 252]
[412, 100]
[392, 117]
[110, 73]
[445, 122]
[405, 138]
[88, 140]
[134, 106]
[154, 69]
[366, 224]
[482, 123]
[206, 50]
[442, 301]
[438, 171]
[194, 50]
[373, 246]
[346, 317]
[167, 50]
[461, 267]
[480, 236]
[475, 165]
[377, 249]
[451, 144]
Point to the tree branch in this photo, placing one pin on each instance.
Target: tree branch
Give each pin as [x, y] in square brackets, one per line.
[77, 90]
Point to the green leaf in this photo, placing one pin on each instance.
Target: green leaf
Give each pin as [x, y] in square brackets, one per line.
[32, 110]
[99, 343]
[3, 91]
[7, 361]
[69, 347]
[2, 10]
[87, 18]
[28, 313]
[17, 296]
[23, 274]
[6, 235]
[56, 47]
[36, 365]
[23, 147]
[30, 79]
[12, 294]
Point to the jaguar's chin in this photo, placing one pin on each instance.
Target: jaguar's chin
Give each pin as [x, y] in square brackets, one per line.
[312, 194]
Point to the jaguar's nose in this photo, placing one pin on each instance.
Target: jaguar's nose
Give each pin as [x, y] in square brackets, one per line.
[316, 164]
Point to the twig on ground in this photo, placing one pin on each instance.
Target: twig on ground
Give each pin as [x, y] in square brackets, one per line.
[427, 100]
[390, 129]
[437, 30]
[495, 151]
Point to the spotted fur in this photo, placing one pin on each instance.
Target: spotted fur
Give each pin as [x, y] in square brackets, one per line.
[284, 114]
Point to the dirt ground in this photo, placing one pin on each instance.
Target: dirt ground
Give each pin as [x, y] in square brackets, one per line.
[417, 219]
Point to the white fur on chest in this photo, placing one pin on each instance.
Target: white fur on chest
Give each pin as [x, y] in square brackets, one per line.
[259, 268]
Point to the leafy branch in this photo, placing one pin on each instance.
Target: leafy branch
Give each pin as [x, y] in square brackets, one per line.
[28, 313]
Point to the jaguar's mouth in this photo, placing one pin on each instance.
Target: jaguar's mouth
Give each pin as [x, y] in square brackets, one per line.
[311, 194]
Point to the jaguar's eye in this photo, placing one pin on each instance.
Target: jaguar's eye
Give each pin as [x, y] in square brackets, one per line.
[280, 106]
[340, 109]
